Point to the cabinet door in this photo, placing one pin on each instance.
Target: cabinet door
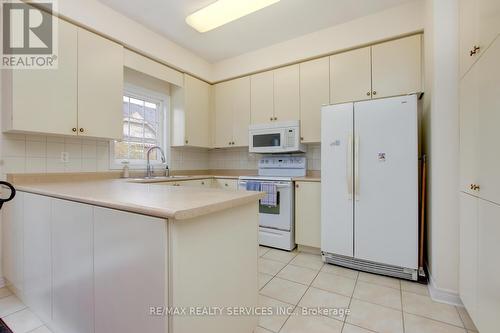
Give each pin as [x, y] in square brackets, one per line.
[468, 252]
[286, 93]
[262, 97]
[350, 76]
[489, 21]
[73, 270]
[488, 298]
[100, 86]
[37, 255]
[197, 108]
[468, 34]
[397, 67]
[314, 92]
[241, 110]
[223, 115]
[308, 214]
[469, 131]
[12, 241]
[129, 265]
[489, 118]
[45, 101]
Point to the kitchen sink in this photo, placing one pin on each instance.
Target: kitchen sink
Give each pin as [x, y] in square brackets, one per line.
[155, 179]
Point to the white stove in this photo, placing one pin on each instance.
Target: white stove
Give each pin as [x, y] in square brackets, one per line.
[276, 213]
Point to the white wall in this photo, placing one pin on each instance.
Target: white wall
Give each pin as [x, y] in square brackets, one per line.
[397, 21]
[96, 16]
[441, 142]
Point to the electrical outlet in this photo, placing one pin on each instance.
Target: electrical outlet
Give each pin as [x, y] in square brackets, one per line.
[64, 157]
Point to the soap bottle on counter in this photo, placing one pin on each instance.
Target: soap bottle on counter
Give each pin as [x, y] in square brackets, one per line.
[125, 170]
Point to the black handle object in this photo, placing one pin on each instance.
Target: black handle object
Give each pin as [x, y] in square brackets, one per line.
[12, 193]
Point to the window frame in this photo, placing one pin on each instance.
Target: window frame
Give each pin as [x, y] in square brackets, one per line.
[134, 91]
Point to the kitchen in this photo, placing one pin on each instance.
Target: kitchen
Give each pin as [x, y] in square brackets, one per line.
[132, 159]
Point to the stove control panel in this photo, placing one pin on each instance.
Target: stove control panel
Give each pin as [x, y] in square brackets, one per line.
[278, 165]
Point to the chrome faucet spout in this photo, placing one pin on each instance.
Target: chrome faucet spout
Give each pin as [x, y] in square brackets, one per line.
[149, 167]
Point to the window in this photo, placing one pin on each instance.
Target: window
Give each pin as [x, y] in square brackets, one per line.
[144, 125]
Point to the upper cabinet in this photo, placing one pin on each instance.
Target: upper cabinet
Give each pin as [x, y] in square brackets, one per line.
[488, 89]
[82, 97]
[275, 95]
[262, 97]
[43, 100]
[100, 86]
[191, 113]
[350, 76]
[314, 92]
[286, 93]
[232, 113]
[382, 70]
[479, 26]
[397, 67]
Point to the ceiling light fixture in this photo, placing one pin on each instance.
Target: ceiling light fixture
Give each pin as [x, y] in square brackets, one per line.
[224, 11]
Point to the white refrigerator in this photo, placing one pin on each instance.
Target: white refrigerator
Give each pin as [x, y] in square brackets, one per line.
[369, 188]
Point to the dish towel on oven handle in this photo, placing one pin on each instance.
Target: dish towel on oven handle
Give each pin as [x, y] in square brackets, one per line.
[271, 198]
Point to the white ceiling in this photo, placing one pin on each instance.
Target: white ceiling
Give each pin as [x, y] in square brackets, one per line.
[280, 22]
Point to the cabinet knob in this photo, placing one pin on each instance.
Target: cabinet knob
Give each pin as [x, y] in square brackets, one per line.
[74, 129]
[81, 130]
[475, 50]
[275, 118]
[271, 119]
[226, 184]
[187, 141]
[368, 93]
[374, 93]
[296, 185]
[301, 138]
[475, 187]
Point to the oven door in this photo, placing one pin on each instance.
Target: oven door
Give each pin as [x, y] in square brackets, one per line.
[266, 141]
[279, 217]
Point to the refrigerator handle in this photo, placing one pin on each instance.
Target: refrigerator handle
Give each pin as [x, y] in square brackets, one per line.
[356, 167]
[349, 167]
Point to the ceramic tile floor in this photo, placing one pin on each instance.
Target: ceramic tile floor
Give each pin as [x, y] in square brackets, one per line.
[296, 281]
[17, 316]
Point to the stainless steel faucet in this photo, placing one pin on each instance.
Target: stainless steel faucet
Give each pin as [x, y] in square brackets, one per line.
[149, 167]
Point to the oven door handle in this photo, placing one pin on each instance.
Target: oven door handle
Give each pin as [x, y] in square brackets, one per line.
[277, 185]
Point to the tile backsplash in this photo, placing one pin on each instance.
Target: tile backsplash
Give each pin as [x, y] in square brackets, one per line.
[42, 154]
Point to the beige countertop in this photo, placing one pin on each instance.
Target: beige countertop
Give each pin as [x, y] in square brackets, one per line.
[170, 202]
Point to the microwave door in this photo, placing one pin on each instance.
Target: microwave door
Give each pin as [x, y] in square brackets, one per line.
[267, 141]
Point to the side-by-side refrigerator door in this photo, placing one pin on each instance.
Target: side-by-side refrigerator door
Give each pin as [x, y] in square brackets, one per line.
[337, 146]
[386, 181]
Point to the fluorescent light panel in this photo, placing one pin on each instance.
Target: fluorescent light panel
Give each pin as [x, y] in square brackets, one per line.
[224, 11]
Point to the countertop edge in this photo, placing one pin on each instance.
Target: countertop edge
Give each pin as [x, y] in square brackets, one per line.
[182, 214]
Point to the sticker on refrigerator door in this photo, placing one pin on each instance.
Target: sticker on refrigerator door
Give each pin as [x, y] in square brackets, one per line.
[381, 157]
[335, 143]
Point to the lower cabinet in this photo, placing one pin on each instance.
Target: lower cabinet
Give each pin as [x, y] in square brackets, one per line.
[487, 317]
[85, 269]
[308, 214]
[72, 266]
[468, 252]
[479, 269]
[129, 271]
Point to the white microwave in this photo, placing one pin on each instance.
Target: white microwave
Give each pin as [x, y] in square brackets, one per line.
[283, 137]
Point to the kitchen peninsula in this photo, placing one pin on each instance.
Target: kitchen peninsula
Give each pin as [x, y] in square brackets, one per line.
[110, 255]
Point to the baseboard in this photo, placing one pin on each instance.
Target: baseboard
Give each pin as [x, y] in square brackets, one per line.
[442, 295]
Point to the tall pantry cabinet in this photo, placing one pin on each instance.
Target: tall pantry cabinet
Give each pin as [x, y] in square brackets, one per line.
[480, 162]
